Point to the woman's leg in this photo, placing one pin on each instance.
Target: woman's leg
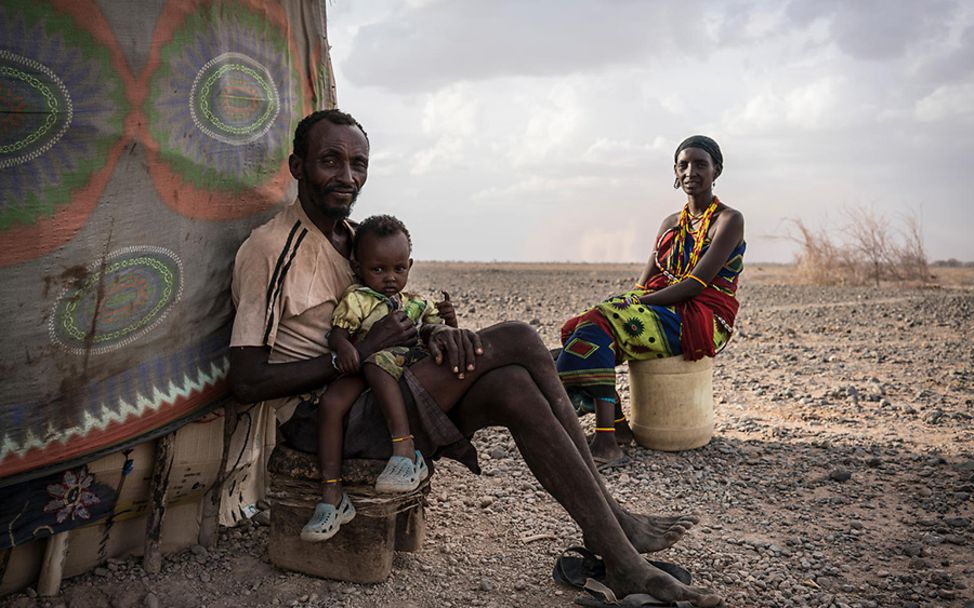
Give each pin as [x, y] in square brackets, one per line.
[623, 433]
[515, 343]
[604, 447]
[332, 407]
[509, 396]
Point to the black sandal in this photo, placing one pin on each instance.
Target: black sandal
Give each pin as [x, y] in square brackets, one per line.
[575, 570]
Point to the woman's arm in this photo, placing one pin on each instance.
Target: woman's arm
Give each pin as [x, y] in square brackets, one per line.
[728, 232]
[651, 270]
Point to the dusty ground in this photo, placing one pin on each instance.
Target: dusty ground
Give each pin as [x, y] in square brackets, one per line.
[871, 385]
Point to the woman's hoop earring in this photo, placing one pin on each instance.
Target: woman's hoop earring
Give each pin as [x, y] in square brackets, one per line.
[676, 183]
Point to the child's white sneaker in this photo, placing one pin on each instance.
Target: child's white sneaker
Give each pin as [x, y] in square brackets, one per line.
[327, 519]
[402, 474]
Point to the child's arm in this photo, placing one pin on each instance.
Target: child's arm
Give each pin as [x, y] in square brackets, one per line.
[446, 311]
[347, 358]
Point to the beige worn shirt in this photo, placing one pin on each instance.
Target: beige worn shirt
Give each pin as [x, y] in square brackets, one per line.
[287, 280]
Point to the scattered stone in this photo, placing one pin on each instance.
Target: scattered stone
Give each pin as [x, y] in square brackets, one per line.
[150, 600]
[497, 453]
[841, 475]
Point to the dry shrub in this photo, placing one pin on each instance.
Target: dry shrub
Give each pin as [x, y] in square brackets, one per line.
[865, 248]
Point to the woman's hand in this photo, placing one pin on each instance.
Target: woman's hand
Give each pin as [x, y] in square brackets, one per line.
[458, 347]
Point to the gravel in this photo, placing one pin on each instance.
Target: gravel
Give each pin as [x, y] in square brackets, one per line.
[841, 473]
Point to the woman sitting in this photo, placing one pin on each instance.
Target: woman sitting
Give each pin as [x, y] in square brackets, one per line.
[684, 302]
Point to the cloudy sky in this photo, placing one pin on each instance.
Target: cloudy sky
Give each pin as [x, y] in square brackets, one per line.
[532, 130]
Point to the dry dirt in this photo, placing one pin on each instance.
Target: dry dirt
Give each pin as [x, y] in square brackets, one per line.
[841, 474]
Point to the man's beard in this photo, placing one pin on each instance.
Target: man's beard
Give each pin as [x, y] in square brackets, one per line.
[334, 213]
[341, 213]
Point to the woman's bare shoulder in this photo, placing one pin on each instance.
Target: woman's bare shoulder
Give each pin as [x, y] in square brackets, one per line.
[670, 221]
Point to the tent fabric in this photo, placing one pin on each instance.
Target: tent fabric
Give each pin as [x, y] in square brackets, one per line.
[139, 145]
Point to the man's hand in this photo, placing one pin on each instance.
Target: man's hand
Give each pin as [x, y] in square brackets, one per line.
[348, 358]
[458, 347]
[394, 329]
[446, 311]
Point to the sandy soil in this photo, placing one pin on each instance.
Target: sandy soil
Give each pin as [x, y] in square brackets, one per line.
[873, 386]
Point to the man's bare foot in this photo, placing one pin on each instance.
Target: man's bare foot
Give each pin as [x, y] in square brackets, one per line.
[652, 533]
[623, 433]
[642, 577]
[604, 448]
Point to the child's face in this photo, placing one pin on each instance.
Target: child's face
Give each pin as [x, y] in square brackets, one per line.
[383, 262]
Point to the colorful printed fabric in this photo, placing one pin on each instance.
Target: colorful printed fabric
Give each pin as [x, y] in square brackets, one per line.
[397, 358]
[43, 507]
[701, 315]
[139, 145]
[630, 330]
[362, 306]
[588, 360]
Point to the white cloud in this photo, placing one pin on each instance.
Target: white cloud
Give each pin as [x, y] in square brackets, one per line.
[450, 119]
[551, 121]
[528, 110]
[808, 107]
[531, 187]
[946, 103]
[624, 153]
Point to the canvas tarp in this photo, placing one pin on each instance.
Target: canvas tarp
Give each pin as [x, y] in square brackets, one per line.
[139, 145]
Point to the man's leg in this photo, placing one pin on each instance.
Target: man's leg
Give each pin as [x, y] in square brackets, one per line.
[509, 396]
[514, 343]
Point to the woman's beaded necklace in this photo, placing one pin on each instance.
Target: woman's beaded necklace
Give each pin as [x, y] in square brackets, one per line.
[699, 235]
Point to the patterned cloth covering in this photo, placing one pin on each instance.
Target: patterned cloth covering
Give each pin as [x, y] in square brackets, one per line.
[623, 329]
[362, 306]
[140, 143]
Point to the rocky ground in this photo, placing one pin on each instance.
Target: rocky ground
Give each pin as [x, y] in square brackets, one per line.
[841, 474]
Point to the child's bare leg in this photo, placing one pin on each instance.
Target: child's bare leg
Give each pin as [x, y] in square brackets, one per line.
[334, 404]
[389, 396]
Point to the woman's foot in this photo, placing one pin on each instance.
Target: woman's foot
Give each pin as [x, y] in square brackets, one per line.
[605, 449]
[623, 433]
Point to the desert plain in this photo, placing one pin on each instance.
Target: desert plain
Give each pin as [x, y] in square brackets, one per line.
[841, 473]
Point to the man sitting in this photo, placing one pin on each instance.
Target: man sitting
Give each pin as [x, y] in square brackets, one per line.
[289, 276]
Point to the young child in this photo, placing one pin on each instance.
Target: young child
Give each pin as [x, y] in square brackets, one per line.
[381, 261]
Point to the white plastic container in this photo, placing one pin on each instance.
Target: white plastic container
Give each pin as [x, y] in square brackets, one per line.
[672, 402]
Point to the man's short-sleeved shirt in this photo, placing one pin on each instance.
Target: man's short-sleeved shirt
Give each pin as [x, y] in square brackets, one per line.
[287, 280]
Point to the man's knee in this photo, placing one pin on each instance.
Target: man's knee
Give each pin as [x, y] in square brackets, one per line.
[518, 336]
[511, 393]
